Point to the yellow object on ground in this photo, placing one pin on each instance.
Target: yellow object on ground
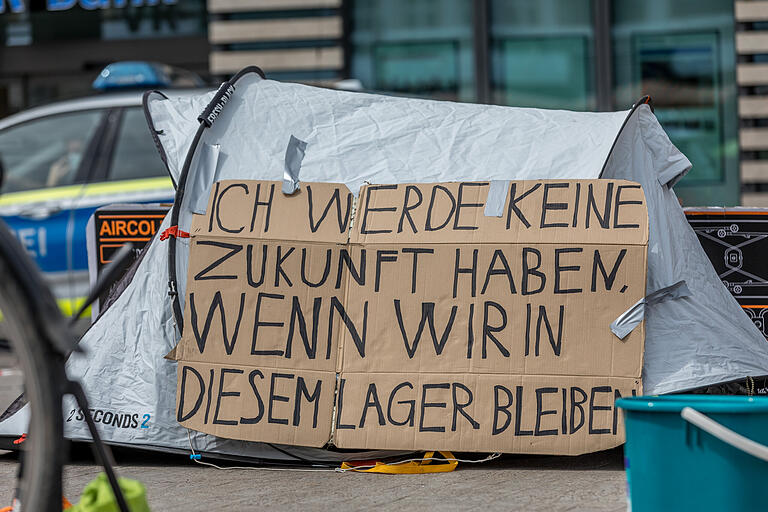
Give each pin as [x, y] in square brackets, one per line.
[425, 465]
[97, 496]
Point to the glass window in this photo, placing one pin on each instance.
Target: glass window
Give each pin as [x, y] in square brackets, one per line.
[135, 155]
[46, 152]
[24, 23]
[681, 53]
[414, 47]
[159, 19]
[541, 53]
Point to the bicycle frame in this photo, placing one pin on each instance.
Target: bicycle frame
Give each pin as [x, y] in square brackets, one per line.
[57, 341]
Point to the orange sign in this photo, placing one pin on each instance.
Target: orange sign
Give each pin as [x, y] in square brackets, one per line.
[113, 230]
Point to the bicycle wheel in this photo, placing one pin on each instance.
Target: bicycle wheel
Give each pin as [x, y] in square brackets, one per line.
[29, 315]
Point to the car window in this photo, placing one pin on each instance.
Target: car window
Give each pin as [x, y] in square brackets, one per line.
[46, 152]
[135, 155]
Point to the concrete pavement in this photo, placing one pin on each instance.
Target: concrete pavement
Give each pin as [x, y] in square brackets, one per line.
[594, 482]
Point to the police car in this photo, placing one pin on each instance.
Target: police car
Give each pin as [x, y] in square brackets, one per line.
[63, 160]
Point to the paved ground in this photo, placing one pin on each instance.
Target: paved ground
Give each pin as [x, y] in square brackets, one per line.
[588, 483]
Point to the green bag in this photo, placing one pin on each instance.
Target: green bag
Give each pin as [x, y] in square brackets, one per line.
[97, 496]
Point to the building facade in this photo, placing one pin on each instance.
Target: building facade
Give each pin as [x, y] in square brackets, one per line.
[54, 49]
[703, 62]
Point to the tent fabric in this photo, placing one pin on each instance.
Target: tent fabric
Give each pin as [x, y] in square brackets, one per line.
[703, 338]
[355, 138]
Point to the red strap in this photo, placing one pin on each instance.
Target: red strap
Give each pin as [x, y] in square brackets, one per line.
[175, 232]
[21, 439]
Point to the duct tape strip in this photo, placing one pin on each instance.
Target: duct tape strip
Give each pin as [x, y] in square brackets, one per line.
[294, 154]
[497, 197]
[632, 317]
[203, 178]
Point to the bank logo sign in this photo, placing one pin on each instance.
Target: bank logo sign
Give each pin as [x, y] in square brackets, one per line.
[19, 6]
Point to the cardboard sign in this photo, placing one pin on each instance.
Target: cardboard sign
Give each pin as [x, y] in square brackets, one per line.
[425, 325]
[491, 334]
[258, 358]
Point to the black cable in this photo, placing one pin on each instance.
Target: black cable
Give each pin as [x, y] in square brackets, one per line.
[206, 119]
[153, 131]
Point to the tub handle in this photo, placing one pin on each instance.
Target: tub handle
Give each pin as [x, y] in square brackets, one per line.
[724, 434]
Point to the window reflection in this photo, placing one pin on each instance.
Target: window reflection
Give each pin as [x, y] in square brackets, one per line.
[541, 53]
[681, 54]
[46, 152]
[38, 24]
[681, 72]
[162, 20]
[135, 155]
[414, 47]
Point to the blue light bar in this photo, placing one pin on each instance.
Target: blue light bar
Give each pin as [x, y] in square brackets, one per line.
[132, 75]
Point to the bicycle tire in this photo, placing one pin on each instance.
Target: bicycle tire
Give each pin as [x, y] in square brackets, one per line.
[29, 313]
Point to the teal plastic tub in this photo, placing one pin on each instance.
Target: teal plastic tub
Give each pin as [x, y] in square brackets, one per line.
[696, 452]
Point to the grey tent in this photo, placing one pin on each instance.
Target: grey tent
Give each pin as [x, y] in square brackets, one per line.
[697, 339]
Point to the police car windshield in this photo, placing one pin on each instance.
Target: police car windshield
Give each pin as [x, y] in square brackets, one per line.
[46, 152]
